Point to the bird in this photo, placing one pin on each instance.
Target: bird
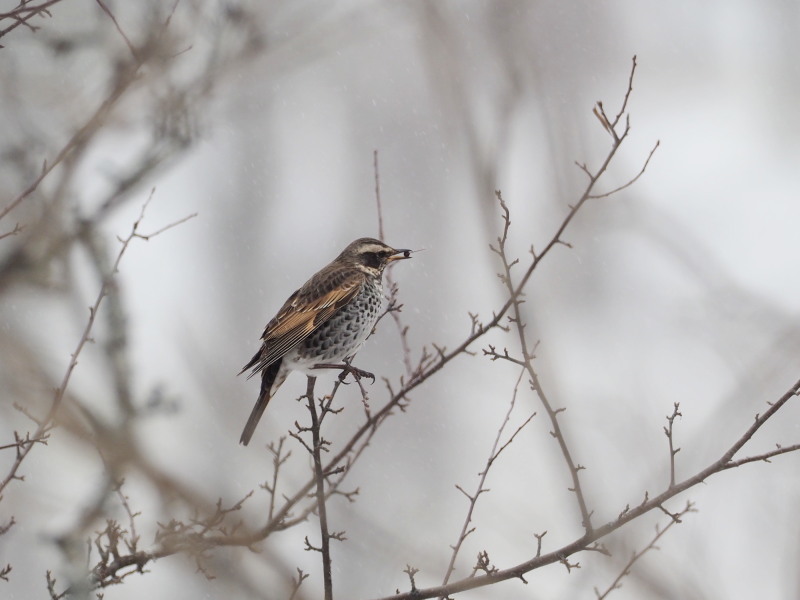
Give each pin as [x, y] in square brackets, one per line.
[326, 321]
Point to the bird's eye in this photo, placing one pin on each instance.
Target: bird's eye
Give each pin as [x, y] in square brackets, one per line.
[371, 259]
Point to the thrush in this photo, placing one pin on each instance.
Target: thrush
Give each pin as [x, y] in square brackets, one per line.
[326, 321]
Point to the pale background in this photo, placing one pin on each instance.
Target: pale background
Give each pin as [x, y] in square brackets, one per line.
[683, 288]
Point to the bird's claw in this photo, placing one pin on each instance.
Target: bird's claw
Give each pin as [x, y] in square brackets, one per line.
[346, 369]
[357, 374]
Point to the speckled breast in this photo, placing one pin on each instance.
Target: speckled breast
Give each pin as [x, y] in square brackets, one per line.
[344, 333]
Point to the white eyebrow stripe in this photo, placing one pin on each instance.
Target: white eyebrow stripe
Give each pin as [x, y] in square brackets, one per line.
[375, 248]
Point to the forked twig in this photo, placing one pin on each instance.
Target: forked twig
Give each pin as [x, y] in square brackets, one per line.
[527, 363]
[668, 431]
[480, 489]
[626, 570]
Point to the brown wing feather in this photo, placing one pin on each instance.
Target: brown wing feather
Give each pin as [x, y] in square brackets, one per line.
[304, 311]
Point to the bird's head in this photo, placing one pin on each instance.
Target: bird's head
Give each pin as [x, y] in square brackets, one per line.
[371, 255]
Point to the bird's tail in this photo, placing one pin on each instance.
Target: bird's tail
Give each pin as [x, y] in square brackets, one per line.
[268, 377]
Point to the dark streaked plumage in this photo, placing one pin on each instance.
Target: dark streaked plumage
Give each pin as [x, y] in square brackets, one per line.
[325, 321]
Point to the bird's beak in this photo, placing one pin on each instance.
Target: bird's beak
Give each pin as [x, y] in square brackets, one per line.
[400, 255]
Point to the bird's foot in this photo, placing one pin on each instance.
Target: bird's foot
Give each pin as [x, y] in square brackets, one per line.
[347, 368]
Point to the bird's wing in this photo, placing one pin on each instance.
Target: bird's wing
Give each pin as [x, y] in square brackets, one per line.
[304, 311]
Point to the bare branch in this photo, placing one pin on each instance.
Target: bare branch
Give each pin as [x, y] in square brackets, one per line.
[765, 457]
[624, 106]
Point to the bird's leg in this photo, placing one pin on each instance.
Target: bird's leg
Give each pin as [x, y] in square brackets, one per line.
[346, 368]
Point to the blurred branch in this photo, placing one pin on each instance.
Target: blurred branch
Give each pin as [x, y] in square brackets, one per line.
[376, 171]
[278, 460]
[17, 229]
[126, 74]
[119, 29]
[46, 423]
[626, 570]
[393, 308]
[92, 124]
[296, 583]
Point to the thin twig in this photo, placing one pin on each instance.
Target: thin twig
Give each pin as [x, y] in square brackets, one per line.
[119, 29]
[668, 431]
[624, 106]
[278, 459]
[296, 583]
[23, 13]
[473, 498]
[626, 570]
[633, 180]
[527, 362]
[514, 291]
[17, 229]
[764, 457]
